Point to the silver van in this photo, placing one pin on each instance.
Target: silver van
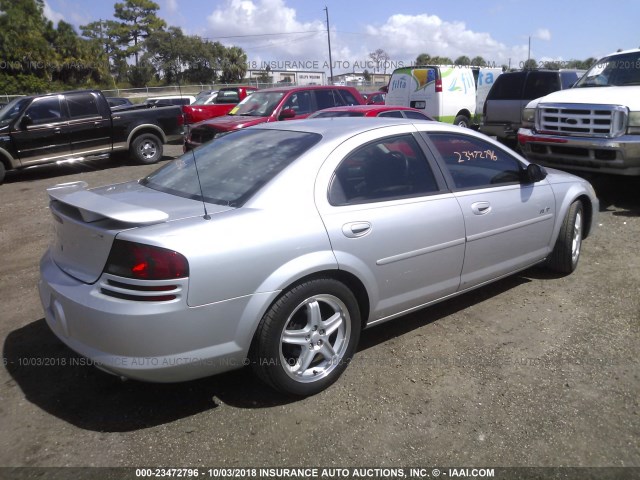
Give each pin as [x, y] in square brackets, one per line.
[502, 111]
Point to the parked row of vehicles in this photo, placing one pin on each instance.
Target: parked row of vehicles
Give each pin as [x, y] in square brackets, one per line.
[557, 119]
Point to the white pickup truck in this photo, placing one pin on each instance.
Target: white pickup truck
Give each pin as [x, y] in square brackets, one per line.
[592, 127]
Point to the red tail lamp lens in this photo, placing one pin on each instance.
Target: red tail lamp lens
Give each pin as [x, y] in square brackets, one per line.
[145, 262]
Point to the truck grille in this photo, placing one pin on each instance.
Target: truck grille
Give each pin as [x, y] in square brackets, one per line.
[582, 120]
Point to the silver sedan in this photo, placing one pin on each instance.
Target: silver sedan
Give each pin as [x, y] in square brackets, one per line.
[275, 246]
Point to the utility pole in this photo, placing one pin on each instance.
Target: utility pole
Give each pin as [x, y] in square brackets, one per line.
[329, 42]
[529, 53]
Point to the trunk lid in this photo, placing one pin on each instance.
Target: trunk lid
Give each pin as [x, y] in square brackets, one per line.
[87, 221]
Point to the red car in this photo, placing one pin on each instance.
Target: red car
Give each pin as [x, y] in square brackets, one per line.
[372, 111]
[226, 99]
[272, 105]
[374, 98]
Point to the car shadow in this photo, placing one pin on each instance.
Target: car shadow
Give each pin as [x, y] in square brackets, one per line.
[43, 172]
[377, 335]
[617, 192]
[68, 386]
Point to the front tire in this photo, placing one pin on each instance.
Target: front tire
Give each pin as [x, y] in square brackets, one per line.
[307, 338]
[146, 149]
[3, 172]
[566, 252]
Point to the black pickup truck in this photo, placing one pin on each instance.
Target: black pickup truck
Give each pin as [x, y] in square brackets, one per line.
[79, 125]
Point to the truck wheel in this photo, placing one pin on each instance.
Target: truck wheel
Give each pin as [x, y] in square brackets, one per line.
[3, 172]
[566, 252]
[462, 121]
[146, 149]
[307, 338]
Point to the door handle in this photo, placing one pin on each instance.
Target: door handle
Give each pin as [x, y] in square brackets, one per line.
[57, 130]
[356, 229]
[481, 208]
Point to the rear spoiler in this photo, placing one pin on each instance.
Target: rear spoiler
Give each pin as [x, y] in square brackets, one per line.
[94, 207]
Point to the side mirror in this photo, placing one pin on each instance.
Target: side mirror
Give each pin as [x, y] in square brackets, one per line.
[534, 173]
[25, 121]
[287, 113]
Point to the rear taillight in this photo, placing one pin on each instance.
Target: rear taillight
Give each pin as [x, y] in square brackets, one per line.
[145, 262]
[439, 85]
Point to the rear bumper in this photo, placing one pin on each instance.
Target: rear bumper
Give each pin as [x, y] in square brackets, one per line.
[158, 341]
[176, 139]
[618, 156]
[502, 131]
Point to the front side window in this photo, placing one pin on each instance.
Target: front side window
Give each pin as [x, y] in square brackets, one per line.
[474, 163]
[233, 167]
[45, 110]
[299, 102]
[386, 169]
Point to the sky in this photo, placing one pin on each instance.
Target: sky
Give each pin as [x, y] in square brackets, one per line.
[279, 31]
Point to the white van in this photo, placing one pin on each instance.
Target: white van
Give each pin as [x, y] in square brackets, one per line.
[448, 93]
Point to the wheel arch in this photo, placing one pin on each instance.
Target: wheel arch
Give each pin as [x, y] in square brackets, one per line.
[353, 283]
[143, 129]
[588, 209]
[7, 160]
[465, 113]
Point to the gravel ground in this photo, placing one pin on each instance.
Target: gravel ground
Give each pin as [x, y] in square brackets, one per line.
[535, 370]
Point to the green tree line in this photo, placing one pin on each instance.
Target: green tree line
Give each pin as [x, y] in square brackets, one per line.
[426, 59]
[135, 48]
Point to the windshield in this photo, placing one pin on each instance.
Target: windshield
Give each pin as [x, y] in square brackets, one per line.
[233, 167]
[11, 110]
[258, 104]
[616, 70]
[205, 100]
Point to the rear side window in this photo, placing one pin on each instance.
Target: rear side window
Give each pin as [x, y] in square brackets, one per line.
[385, 169]
[539, 84]
[347, 97]
[474, 163]
[508, 86]
[391, 113]
[328, 98]
[82, 105]
[415, 115]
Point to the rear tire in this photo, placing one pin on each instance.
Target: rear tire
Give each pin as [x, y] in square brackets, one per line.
[3, 172]
[307, 338]
[566, 252]
[462, 121]
[146, 149]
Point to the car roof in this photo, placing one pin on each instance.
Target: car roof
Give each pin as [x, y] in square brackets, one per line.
[365, 108]
[304, 87]
[345, 127]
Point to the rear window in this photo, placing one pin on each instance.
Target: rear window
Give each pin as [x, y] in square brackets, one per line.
[508, 86]
[568, 79]
[232, 168]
